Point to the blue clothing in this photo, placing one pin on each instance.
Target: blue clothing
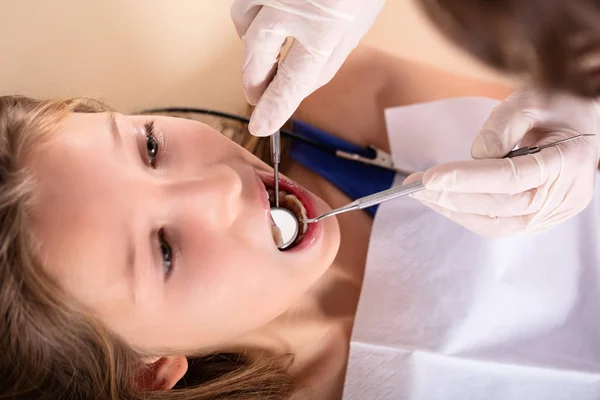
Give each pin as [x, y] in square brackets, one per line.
[354, 179]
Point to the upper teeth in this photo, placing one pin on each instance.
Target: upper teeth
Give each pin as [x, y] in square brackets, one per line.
[289, 201]
[292, 203]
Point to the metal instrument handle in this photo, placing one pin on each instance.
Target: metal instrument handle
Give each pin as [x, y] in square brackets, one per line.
[389, 194]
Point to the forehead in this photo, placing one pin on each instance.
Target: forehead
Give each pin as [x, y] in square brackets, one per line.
[77, 215]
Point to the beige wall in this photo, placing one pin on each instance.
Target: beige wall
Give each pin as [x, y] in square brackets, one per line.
[141, 53]
[402, 29]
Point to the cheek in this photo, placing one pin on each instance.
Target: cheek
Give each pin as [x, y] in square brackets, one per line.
[227, 293]
[226, 270]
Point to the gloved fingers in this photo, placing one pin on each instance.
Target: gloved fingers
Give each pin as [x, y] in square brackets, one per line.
[483, 225]
[242, 15]
[260, 54]
[295, 79]
[502, 131]
[505, 175]
[528, 109]
[490, 205]
[368, 10]
[417, 176]
[542, 221]
[335, 61]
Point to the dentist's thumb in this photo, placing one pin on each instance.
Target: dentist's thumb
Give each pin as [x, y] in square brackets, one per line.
[507, 124]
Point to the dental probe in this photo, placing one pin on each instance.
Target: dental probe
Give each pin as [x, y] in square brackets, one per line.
[523, 151]
[371, 200]
[404, 190]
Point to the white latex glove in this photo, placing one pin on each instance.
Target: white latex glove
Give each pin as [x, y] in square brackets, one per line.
[495, 196]
[324, 32]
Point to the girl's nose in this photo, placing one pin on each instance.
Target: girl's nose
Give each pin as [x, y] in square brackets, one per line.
[212, 198]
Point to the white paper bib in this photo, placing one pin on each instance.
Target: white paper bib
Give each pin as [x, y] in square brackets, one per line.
[446, 314]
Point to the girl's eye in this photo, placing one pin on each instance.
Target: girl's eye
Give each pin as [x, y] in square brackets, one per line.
[166, 252]
[151, 148]
[152, 145]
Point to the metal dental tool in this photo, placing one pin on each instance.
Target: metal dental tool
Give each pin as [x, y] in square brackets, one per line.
[523, 151]
[371, 200]
[284, 219]
[288, 226]
[276, 159]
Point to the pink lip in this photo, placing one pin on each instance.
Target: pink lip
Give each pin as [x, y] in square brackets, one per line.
[307, 200]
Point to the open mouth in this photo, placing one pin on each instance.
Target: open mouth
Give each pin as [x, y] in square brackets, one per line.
[299, 202]
[291, 203]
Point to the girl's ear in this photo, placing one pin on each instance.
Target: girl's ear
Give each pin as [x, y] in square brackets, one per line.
[161, 373]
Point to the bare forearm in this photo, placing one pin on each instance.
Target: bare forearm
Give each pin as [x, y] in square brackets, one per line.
[352, 105]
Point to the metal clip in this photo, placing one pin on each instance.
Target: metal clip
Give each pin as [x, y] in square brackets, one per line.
[382, 159]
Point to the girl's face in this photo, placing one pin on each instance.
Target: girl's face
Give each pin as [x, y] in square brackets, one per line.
[161, 226]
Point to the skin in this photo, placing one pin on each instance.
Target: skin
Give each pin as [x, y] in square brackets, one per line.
[99, 200]
[93, 197]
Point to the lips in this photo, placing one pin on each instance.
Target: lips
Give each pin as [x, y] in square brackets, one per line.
[307, 200]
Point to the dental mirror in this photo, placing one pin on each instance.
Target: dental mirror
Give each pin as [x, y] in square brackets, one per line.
[287, 223]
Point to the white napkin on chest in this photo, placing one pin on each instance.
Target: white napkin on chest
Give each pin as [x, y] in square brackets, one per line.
[446, 314]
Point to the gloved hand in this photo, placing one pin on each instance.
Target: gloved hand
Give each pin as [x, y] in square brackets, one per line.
[324, 32]
[494, 196]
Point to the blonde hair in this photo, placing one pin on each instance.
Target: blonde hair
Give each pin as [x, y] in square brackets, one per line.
[51, 347]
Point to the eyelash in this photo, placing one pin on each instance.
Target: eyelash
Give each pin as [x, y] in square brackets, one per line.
[163, 240]
[153, 136]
